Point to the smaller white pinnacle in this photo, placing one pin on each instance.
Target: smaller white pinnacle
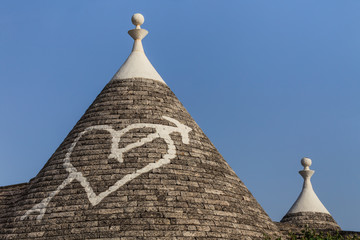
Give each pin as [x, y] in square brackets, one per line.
[307, 200]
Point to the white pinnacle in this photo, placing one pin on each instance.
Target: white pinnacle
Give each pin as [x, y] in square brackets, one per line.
[137, 65]
[307, 200]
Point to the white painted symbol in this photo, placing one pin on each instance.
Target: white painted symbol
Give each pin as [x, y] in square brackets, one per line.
[161, 131]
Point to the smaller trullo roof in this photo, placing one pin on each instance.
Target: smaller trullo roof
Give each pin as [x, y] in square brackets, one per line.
[308, 210]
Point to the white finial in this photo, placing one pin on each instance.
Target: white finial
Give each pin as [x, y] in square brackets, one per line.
[306, 162]
[138, 65]
[138, 34]
[137, 19]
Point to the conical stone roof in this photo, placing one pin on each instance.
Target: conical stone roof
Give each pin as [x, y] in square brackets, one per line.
[308, 211]
[135, 166]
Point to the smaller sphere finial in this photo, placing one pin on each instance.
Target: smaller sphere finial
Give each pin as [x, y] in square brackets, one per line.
[306, 162]
[137, 19]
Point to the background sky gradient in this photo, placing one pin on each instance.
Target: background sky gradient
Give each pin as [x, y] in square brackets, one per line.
[269, 82]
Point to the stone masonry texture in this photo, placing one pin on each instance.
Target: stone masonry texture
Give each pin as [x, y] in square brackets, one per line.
[311, 220]
[196, 196]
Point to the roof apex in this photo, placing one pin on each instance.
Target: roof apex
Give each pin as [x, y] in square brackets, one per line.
[137, 65]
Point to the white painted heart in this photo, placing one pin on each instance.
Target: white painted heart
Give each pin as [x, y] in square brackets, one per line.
[161, 131]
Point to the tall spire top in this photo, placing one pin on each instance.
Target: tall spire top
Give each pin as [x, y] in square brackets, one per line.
[137, 65]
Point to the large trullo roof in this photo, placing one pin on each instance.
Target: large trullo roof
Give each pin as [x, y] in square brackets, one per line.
[135, 166]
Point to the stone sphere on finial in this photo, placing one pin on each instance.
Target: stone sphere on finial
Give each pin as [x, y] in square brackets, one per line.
[137, 19]
[306, 162]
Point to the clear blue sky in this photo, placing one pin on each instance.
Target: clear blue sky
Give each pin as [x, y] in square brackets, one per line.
[269, 82]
